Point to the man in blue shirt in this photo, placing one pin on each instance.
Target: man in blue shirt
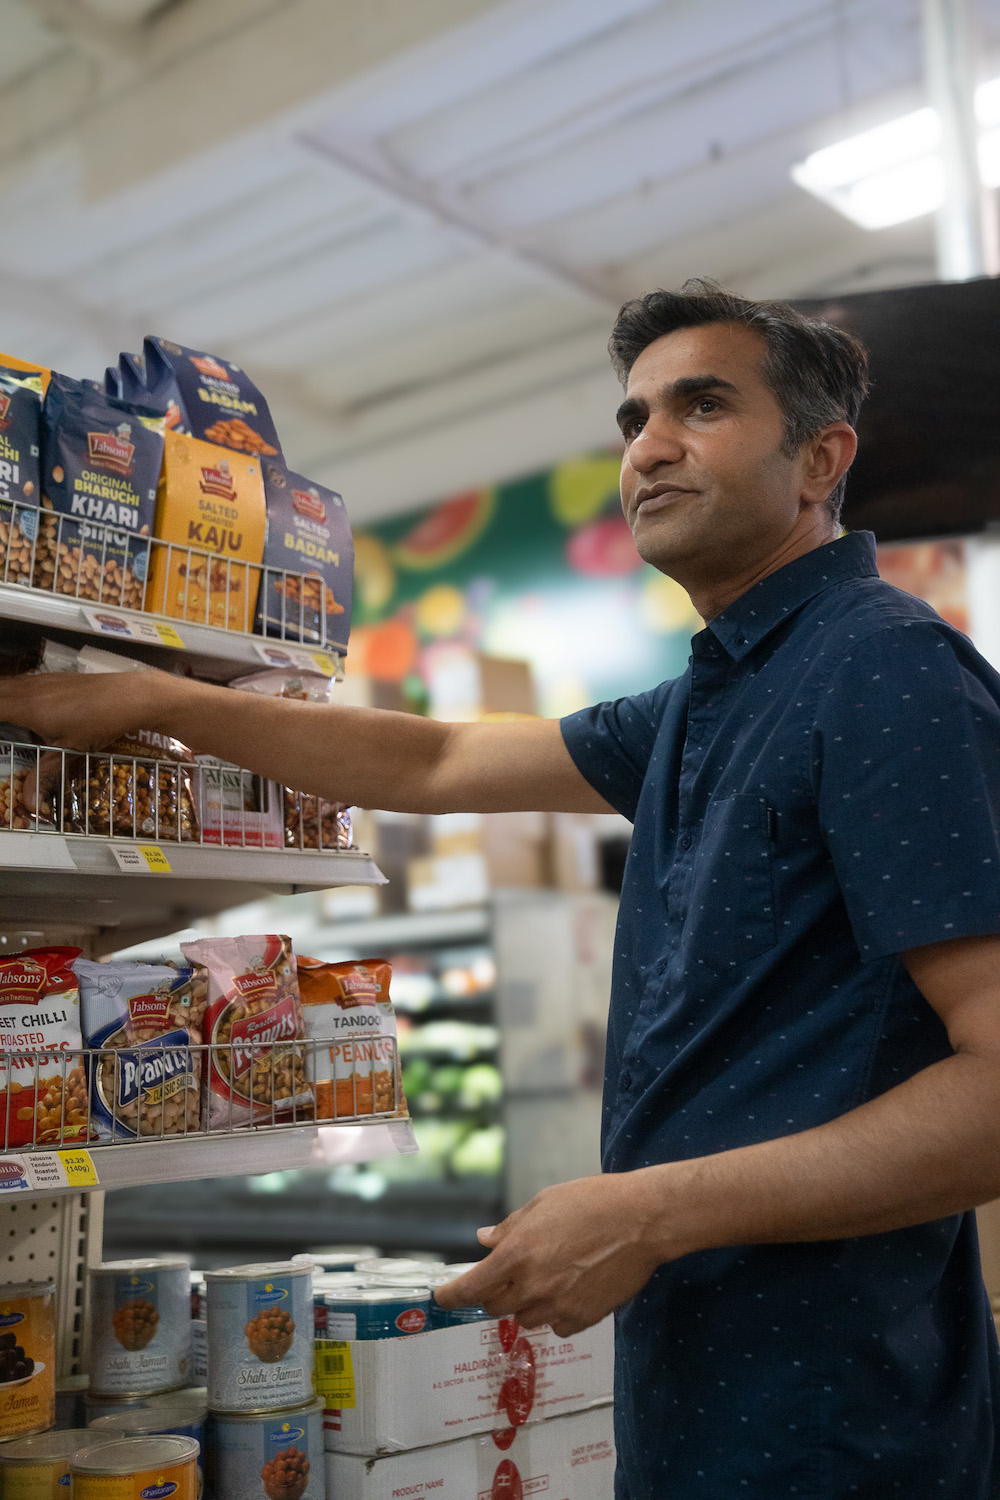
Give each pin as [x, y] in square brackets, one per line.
[804, 1043]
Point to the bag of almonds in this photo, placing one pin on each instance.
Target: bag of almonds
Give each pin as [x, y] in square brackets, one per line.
[146, 1019]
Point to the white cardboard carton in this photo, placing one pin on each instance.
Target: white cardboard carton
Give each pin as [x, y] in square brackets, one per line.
[569, 1458]
[433, 1387]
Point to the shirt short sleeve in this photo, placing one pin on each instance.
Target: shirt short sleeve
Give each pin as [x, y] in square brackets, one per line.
[611, 744]
[906, 767]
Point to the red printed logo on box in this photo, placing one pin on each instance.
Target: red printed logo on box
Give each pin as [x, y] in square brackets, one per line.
[413, 1320]
[507, 1482]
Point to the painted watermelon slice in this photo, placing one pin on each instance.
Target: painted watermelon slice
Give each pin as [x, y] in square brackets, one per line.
[446, 532]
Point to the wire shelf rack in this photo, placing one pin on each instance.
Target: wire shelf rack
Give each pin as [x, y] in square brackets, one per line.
[113, 795]
[167, 1089]
[95, 564]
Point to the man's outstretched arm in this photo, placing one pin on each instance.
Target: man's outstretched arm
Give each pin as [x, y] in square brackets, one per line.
[365, 757]
[928, 1148]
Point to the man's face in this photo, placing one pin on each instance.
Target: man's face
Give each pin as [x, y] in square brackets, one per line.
[705, 487]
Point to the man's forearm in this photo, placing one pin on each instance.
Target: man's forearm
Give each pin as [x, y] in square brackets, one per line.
[926, 1149]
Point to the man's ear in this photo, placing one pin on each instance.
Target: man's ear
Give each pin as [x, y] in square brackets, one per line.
[827, 458]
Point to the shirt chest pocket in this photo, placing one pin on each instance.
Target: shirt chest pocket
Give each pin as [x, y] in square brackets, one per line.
[730, 910]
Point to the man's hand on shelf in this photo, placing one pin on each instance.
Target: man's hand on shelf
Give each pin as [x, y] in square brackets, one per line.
[85, 712]
[567, 1259]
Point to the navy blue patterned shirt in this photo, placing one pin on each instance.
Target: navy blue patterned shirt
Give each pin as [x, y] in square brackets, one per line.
[819, 792]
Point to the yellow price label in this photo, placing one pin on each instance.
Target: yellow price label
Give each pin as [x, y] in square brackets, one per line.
[325, 663]
[335, 1374]
[155, 858]
[80, 1169]
[169, 636]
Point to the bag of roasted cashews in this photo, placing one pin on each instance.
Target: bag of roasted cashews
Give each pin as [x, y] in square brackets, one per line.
[255, 1070]
[146, 1019]
[43, 1092]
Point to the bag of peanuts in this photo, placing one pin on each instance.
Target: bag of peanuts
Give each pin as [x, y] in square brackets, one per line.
[352, 1060]
[43, 1090]
[310, 822]
[255, 1072]
[309, 555]
[206, 397]
[101, 461]
[209, 528]
[20, 471]
[142, 786]
[145, 1019]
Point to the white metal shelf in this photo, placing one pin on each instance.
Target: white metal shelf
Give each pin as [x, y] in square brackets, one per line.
[208, 649]
[405, 929]
[76, 881]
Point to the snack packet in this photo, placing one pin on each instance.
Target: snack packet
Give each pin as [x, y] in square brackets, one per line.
[352, 1061]
[43, 1090]
[29, 782]
[309, 555]
[238, 808]
[20, 471]
[210, 526]
[157, 1010]
[207, 397]
[142, 786]
[101, 465]
[255, 1072]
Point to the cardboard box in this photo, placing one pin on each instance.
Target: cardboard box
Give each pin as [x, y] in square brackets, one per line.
[453, 1382]
[465, 685]
[569, 1458]
[237, 807]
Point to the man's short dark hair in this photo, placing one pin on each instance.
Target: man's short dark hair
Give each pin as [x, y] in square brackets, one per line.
[818, 373]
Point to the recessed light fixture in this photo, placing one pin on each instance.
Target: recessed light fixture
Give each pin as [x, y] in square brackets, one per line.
[894, 172]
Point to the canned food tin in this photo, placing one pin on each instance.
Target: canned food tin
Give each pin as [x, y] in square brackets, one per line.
[37, 1468]
[71, 1391]
[271, 1456]
[102, 1406]
[384, 1265]
[136, 1468]
[377, 1312]
[140, 1328]
[337, 1257]
[260, 1337]
[27, 1358]
[454, 1317]
[192, 1395]
[334, 1281]
[174, 1421]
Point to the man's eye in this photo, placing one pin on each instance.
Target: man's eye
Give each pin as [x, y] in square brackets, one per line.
[707, 404]
[632, 427]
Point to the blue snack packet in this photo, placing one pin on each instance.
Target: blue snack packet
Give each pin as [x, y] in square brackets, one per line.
[20, 463]
[309, 561]
[101, 462]
[206, 397]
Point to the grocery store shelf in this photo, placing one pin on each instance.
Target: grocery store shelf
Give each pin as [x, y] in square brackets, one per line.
[404, 930]
[240, 1154]
[209, 650]
[40, 881]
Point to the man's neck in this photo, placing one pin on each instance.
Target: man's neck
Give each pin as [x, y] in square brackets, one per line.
[713, 596]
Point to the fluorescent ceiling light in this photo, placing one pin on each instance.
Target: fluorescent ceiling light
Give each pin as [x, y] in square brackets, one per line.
[894, 172]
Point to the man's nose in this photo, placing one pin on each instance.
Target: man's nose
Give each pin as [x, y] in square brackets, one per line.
[659, 442]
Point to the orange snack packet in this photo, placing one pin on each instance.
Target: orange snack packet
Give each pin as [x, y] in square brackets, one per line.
[352, 1060]
[210, 499]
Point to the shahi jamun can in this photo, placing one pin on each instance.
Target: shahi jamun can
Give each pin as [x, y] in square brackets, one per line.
[140, 1327]
[267, 1455]
[136, 1468]
[27, 1358]
[260, 1337]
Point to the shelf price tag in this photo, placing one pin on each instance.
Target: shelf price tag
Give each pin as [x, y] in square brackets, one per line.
[335, 1374]
[141, 859]
[79, 1168]
[297, 658]
[125, 627]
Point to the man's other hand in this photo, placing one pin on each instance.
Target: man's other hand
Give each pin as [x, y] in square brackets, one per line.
[567, 1259]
